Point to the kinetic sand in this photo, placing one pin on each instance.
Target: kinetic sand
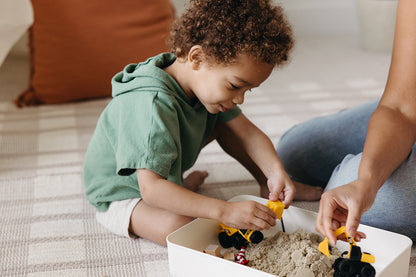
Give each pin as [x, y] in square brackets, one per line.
[291, 255]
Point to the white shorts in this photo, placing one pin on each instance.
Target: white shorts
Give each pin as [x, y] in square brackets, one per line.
[117, 218]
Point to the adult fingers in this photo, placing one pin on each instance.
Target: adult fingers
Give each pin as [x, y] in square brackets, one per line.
[359, 236]
[324, 225]
[340, 216]
[353, 220]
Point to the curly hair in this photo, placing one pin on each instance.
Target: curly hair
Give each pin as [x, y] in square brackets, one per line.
[226, 28]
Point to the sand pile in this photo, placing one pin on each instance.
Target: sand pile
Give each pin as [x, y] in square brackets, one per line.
[291, 255]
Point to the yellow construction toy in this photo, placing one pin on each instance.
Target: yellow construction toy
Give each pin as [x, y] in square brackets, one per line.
[357, 263]
[229, 236]
[277, 207]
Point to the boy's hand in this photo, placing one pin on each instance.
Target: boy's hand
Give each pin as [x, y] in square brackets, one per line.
[248, 215]
[281, 188]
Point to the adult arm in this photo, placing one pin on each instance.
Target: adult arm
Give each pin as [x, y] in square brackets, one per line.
[390, 136]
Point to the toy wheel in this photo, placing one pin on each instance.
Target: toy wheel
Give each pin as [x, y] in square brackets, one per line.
[368, 271]
[256, 237]
[239, 241]
[345, 267]
[225, 240]
[336, 264]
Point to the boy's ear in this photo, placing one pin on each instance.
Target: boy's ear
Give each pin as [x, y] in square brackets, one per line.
[196, 57]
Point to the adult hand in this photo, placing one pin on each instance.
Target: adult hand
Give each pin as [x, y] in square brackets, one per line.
[344, 205]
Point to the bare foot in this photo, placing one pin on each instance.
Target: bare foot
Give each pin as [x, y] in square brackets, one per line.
[264, 191]
[307, 192]
[195, 179]
[303, 192]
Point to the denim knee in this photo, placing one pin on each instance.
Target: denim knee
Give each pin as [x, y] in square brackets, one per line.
[311, 150]
[297, 151]
[346, 172]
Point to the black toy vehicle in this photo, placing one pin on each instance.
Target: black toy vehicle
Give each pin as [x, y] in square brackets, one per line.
[353, 263]
[229, 236]
[353, 266]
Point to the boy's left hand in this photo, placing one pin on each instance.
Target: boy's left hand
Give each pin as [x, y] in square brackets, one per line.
[281, 188]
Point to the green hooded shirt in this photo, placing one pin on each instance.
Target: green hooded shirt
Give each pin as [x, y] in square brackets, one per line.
[150, 123]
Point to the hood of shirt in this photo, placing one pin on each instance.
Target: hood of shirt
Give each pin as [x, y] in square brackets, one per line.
[148, 76]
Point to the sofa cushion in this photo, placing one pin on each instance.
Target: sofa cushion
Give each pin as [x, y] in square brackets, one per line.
[76, 46]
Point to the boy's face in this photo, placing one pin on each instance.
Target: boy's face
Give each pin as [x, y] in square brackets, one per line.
[221, 87]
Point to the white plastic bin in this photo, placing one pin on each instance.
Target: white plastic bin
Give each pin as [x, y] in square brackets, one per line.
[186, 259]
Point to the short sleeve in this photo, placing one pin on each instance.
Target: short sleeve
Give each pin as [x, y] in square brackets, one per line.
[142, 133]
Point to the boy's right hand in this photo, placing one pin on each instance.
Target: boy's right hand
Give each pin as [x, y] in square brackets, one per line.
[248, 215]
[281, 188]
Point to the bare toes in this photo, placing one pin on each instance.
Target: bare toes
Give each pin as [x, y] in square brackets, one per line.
[195, 179]
[264, 191]
[307, 192]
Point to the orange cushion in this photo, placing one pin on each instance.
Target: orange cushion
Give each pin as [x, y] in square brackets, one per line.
[76, 46]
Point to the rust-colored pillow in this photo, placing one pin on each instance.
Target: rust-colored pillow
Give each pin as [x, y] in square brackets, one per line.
[76, 46]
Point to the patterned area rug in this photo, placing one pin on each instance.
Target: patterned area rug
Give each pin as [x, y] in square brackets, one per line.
[48, 228]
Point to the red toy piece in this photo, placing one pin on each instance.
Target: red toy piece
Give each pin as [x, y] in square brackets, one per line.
[241, 256]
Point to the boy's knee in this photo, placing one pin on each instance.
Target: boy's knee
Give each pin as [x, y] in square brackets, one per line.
[175, 222]
[169, 225]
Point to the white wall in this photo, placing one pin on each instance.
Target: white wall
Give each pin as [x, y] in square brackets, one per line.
[179, 5]
[310, 17]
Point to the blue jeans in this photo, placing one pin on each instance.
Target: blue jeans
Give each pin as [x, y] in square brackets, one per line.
[326, 152]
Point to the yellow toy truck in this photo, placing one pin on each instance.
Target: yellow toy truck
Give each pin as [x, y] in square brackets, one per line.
[238, 238]
[353, 263]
